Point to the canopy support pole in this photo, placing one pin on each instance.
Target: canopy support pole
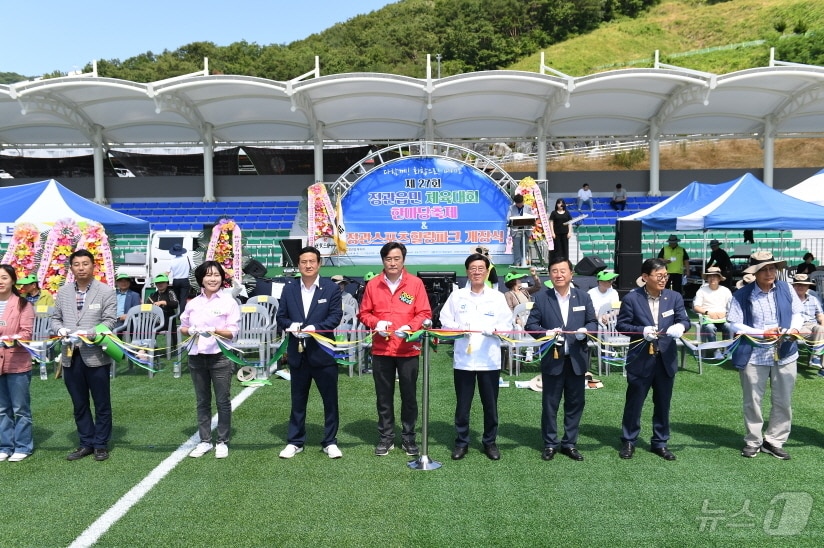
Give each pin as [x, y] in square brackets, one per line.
[542, 152]
[769, 152]
[99, 179]
[208, 166]
[654, 160]
[318, 150]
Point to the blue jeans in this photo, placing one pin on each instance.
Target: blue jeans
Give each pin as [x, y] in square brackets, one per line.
[582, 203]
[15, 414]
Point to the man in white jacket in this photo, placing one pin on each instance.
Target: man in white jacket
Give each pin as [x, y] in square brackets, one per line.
[480, 311]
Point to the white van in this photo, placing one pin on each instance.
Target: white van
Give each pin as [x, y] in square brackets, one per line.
[143, 267]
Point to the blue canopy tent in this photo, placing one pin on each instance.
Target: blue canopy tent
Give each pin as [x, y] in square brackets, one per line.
[663, 216]
[47, 202]
[744, 203]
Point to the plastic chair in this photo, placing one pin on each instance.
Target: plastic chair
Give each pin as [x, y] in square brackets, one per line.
[143, 323]
[41, 333]
[524, 346]
[347, 330]
[268, 302]
[612, 345]
[255, 332]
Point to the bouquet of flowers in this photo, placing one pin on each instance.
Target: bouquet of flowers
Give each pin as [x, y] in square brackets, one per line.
[23, 249]
[94, 239]
[225, 247]
[56, 251]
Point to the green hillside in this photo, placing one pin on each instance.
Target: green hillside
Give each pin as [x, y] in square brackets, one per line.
[680, 29]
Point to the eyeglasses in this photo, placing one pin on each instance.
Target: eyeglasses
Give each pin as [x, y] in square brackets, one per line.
[476, 270]
[658, 277]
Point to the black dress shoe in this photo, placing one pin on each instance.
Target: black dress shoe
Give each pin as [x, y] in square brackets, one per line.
[663, 452]
[627, 450]
[572, 453]
[548, 454]
[492, 452]
[459, 452]
[101, 454]
[79, 453]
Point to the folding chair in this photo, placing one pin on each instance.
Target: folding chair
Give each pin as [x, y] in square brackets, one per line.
[143, 323]
[255, 332]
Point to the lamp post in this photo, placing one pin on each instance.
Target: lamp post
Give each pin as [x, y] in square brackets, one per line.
[438, 57]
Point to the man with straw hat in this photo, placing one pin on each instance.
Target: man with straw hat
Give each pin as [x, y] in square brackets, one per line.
[711, 303]
[813, 316]
[766, 310]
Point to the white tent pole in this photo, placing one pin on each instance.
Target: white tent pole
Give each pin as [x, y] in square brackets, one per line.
[99, 179]
[769, 152]
[208, 166]
[318, 152]
[654, 160]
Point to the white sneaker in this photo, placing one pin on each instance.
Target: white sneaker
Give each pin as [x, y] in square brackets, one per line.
[201, 449]
[333, 451]
[17, 457]
[4, 456]
[290, 451]
[221, 451]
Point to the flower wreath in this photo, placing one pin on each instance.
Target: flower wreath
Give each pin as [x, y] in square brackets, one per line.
[321, 208]
[23, 249]
[56, 251]
[95, 240]
[225, 247]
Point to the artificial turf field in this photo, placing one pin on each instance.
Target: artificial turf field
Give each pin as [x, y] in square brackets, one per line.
[710, 496]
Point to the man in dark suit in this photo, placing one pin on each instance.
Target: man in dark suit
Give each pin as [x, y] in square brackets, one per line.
[79, 308]
[565, 312]
[653, 317]
[307, 305]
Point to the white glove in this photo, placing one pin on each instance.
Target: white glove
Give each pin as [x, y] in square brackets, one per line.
[553, 332]
[650, 334]
[193, 331]
[309, 329]
[294, 328]
[79, 333]
[488, 333]
[401, 331]
[675, 331]
[62, 332]
[383, 328]
[581, 334]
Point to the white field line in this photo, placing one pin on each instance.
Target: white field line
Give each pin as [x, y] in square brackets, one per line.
[93, 533]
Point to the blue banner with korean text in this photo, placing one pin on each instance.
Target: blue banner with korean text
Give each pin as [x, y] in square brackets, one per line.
[438, 207]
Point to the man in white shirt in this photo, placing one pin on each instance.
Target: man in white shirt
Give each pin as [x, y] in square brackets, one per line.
[585, 198]
[480, 311]
[813, 316]
[711, 302]
[604, 294]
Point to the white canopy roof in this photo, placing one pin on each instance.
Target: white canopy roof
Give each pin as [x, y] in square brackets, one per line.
[83, 111]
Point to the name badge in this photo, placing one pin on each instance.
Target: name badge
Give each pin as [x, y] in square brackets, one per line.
[667, 313]
[94, 306]
[321, 301]
[578, 308]
[2, 323]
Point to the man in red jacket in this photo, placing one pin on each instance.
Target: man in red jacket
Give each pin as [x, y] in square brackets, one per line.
[394, 304]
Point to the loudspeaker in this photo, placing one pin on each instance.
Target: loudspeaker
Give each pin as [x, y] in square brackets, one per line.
[291, 250]
[255, 269]
[628, 266]
[590, 265]
[628, 237]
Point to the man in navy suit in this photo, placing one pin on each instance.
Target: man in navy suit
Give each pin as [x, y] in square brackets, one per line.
[654, 318]
[307, 305]
[565, 312]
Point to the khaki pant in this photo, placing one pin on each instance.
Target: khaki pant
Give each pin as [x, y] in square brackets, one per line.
[753, 385]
